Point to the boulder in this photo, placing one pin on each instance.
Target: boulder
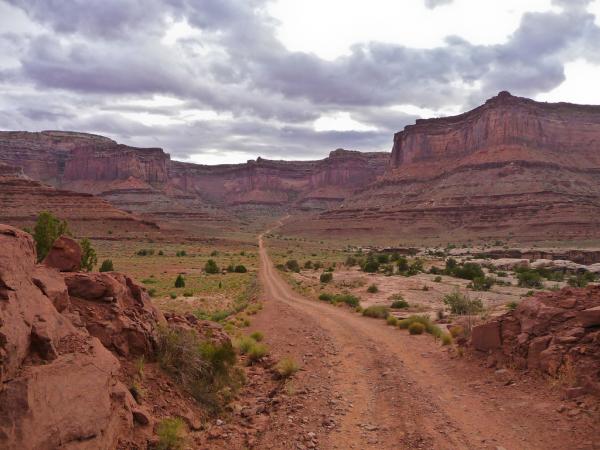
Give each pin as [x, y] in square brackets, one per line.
[65, 255]
[589, 317]
[486, 337]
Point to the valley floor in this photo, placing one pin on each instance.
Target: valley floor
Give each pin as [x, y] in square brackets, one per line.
[368, 386]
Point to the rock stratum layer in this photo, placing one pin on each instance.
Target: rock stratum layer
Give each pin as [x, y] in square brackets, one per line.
[146, 181]
[510, 165]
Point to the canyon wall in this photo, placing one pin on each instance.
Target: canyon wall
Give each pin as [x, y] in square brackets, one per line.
[510, 166]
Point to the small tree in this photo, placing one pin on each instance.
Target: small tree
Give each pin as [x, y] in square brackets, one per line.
[292, 265]
[211, 266]
[326, 277]
[88, 255]
[107, 266]
[48, 229]
[179, 281]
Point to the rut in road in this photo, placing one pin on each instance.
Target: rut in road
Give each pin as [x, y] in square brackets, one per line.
[400, 396]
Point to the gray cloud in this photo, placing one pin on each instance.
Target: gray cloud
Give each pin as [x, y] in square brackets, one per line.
[89, 62]
[435, 3]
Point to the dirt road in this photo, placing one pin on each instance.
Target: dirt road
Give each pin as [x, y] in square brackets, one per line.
[376, 387]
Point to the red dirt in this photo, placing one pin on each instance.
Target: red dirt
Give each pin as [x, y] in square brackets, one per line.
[369, 386]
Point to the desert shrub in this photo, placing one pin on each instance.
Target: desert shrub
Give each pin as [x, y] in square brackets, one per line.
[173, 295]
[205, 369]
[371, 265]
[244, 344]
[451, 264]
[230, 268]
[181, 253]
[326, 277]
[325, 297]
[399, 303]
[437, 279]
[402, 264]
[462, 304]
[482, 283]
[47, 229]
[350, 261]
[179, 281]
[529, 279]
[240, 269]
[188, 294]
[88, 255]
[287, 367]
[468, 271]
[512, 305]
[214, 253]
[308, 264]
[152, 292]
[428, 325]
[372, 289]
[257, 352]
[446, 339]
[376, 311]
[211, 267]
[391, 320]
[292, 265]
[501, 273]
[416, 328]
[257, 336]
[457, 331]
[107, 266]
[383, 258]
[348, 299]
[170, 434]
[161, 253]
[581, 279]
[415, 267]
[145, 252]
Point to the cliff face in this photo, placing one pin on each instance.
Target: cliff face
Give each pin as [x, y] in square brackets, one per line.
[512, 165]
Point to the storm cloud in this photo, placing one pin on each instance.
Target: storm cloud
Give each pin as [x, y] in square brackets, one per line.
[228, 84]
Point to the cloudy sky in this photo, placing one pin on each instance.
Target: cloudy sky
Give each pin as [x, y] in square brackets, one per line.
[228, 80]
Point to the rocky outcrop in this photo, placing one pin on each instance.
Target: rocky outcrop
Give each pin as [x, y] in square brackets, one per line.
[64, 255]
[512, 165]
[22, 199]
[557, 333]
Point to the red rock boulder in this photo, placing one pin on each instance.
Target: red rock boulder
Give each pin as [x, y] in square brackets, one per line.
[65, 255]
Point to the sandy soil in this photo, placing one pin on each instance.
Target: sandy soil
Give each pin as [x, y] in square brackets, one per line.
[368, 386]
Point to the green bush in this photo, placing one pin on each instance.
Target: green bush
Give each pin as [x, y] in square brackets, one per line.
[107, 266]
[88, 255]
[47, 229]
[173, 295]
[188, 294]
[257, 352]
[145, 252]
[287, 367]
[179, 281]
[383, 258]
[348, 299]
[376, 311]
[402, 264]
[180, 253]
[211, 267]
[512, 305]
[462, 304]
[292, 265]
[468, 271]
[308, 264]
[326, 277]
[446, 339]
[416, 328]
[530, 279]
[437, 279]
[371, 265]
[206, 370]
[399, 304]
[581, 279]
[170, 434]
[428, 325]
[244, 344]
[257, 336]
[372, 289]
[240, 269]
[325, 297]
[415, 267]
[350, 261]
[482, 283]
[391, 320]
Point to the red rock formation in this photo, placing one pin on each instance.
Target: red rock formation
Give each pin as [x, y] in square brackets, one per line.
[555, 332]
[64, 255]
[22, 199]
[511, 165]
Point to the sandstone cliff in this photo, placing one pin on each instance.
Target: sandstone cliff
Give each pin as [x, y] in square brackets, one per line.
[512, 165]
[149, 183]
